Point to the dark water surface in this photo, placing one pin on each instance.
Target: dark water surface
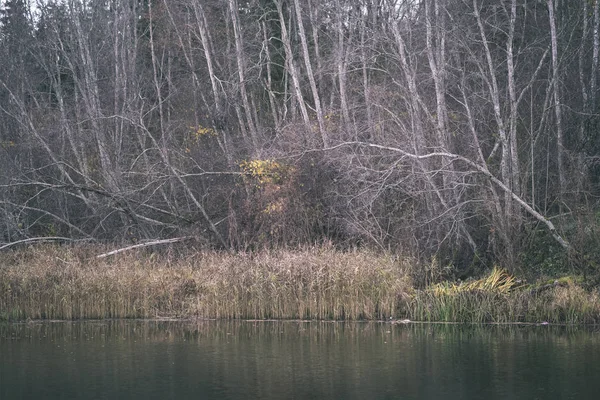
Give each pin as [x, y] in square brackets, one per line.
[296, 360]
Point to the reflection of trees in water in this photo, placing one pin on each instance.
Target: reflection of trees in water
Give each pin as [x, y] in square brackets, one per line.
[263, 359]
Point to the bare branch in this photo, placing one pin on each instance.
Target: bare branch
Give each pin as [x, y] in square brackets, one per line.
[41, 240]
[145, 244]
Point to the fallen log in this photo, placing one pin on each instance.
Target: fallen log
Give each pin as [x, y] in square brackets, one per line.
[145, 244]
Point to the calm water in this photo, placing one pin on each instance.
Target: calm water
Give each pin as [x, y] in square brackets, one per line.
[296, 360]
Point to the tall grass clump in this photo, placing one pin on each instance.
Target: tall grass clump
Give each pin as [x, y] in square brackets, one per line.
[70, 283]
[500, 298]
[321, 284]
[569, 304]
[473, 301]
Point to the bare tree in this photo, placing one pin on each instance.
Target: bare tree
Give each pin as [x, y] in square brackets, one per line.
[436, 128]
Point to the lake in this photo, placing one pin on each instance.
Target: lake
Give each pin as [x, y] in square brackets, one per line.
[296, 360]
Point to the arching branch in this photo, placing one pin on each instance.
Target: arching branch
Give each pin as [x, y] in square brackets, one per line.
[482, 169]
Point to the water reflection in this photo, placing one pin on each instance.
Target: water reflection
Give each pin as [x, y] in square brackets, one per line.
[295, 360]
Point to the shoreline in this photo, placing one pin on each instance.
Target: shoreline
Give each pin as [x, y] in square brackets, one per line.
[319, 284]
[295, 321]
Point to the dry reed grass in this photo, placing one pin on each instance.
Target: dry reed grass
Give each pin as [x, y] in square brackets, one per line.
[497, 281]
[51, 282]
[69, 283]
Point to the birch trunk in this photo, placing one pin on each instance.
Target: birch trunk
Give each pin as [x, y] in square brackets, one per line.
[557, 100]
[291, 68]
[309, 73]
[241, 67]
[495, 97]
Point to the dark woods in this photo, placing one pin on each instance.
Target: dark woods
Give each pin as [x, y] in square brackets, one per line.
[466, 130]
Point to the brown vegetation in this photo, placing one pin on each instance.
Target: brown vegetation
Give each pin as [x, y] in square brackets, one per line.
[68, 283]
[50, 282]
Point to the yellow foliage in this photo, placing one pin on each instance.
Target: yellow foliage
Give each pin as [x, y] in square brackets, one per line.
[275, 208]
[498, 281]
[265, 172]
[200, 131]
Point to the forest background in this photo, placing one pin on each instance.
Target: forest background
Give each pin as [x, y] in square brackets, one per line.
[461, 131]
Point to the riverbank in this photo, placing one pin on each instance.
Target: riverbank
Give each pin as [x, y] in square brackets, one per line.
[58, 282]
